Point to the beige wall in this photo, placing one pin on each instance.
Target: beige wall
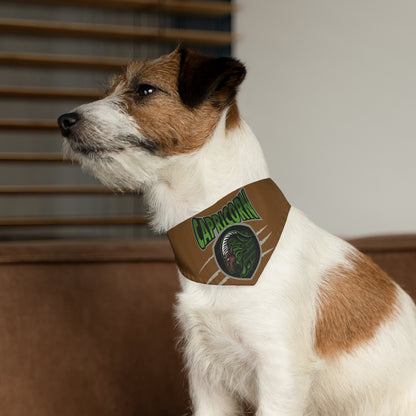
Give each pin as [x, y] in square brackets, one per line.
[331, 95]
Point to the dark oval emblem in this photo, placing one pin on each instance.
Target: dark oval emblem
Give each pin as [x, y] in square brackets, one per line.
[237, 251]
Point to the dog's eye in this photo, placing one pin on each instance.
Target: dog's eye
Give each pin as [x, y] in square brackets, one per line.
[143, 90]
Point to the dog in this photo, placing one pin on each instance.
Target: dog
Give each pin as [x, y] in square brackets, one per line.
[323, 331]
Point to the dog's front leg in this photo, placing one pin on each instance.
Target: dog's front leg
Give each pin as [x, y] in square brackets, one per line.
[209, 399]
[283, 386]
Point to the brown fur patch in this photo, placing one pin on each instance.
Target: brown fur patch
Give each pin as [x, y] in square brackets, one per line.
[353, 302]
[233, 116]
[171, 126]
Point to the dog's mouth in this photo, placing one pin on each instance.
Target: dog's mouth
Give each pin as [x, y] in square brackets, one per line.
[91, 148]
[83, 139]
[69, 125]
[80, 136]
[87, 139]
[84, 146]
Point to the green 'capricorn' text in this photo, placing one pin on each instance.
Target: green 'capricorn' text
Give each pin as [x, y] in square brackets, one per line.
[238, 210]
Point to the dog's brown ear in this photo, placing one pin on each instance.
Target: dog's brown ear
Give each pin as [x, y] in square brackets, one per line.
[202, 77]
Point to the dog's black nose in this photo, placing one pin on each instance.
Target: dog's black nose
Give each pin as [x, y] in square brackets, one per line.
[67, 121]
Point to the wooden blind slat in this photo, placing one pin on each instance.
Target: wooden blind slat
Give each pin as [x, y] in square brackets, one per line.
[31, 157]
[46, 28]
[201, 8]
[61, 61]
[49, 93]
[59, 190]
[54, 221]
[28, 125]
[56, 29]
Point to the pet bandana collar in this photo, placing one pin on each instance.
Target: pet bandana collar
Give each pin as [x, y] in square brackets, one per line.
[231, 242]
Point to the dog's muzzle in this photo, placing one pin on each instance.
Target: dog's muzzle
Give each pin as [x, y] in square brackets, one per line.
[67, 122]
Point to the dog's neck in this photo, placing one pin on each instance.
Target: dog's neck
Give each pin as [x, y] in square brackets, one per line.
[190, 183]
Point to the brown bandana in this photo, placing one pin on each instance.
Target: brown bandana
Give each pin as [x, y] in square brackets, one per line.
[231, 242]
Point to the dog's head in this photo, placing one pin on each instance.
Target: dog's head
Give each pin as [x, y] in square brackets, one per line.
[154, 111]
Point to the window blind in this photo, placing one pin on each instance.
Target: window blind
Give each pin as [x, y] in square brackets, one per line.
[55, 55]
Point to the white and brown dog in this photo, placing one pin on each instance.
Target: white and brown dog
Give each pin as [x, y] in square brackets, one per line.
[323, 331]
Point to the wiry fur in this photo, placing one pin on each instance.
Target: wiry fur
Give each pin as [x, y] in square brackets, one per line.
[257, 344]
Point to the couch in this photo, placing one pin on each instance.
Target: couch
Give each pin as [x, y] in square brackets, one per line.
[87, 329]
